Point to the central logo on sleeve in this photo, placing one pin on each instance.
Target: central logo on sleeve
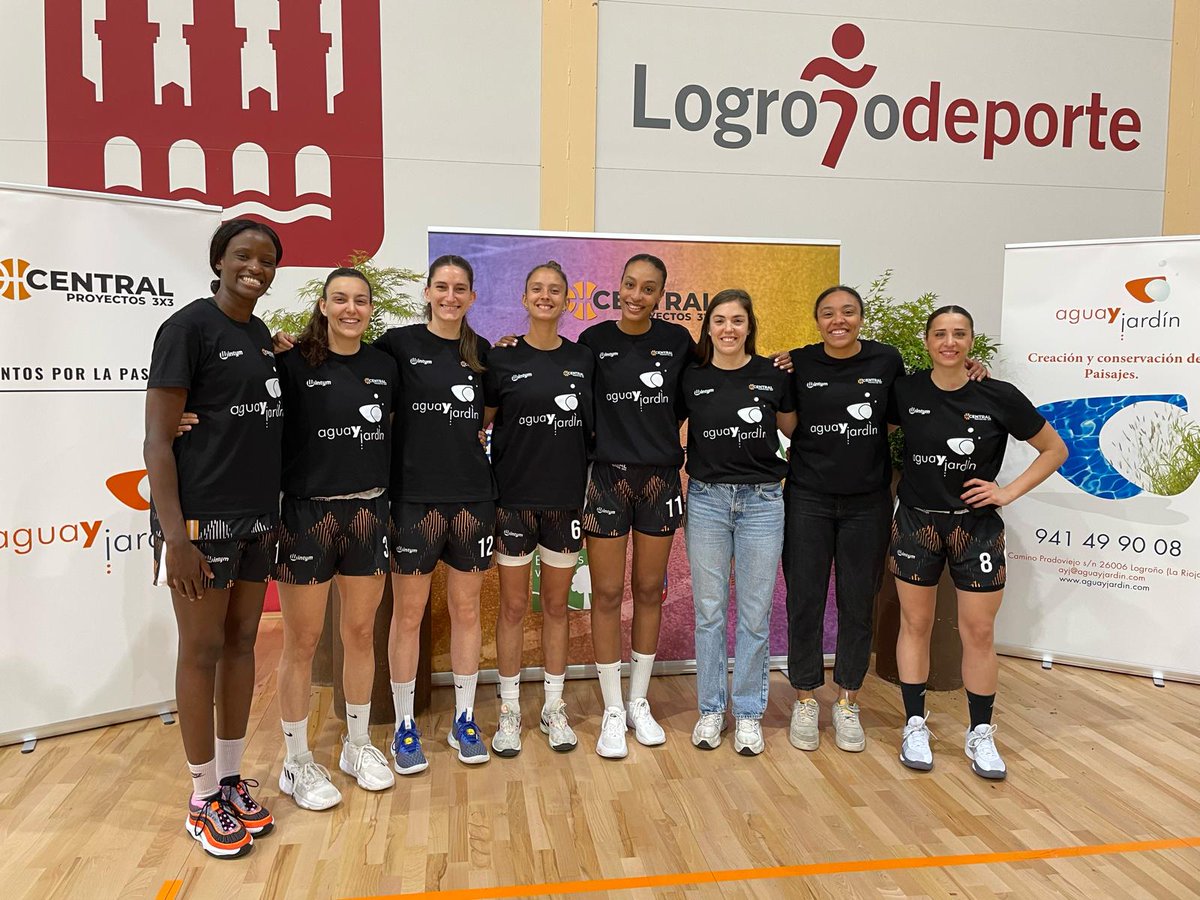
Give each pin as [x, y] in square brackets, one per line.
[280, 123]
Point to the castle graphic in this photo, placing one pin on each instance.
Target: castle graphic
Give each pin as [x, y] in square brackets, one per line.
[314, 172]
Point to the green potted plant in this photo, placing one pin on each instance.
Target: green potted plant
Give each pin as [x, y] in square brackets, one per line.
[392, 304]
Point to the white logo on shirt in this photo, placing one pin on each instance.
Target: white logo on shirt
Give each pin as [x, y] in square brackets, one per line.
[313, 383]
[417, 361]
[817, 384]
[522, 375]
[512, 534]
[567, 402]
[977, 417]
[273, 387]
[961, 446]
[296, 557]
[609, 353]
[751, 414]
[372, 412]
[699, 392]
[870, 381]
[913, 411]
[363, 435]
[229, 354]
[860, 411]
[571, 373]
[463, 392]
[761, 387]
[375, 381]
[661, 353]
[652, 379]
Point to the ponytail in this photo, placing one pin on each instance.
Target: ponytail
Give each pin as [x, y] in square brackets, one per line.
[313, 342]
[468, 347]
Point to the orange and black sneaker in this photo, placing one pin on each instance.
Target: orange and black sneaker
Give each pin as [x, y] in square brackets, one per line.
[214, 825]
[235, 791]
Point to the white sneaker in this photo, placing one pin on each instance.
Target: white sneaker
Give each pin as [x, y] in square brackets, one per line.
[980, 747]
[611, 743]
[367, 765]
[803, 732]
[848, 732]
[507, 740]
[647, 731]
[707, 733]
[308, 783]
[557, 727]
[748, 737]
[914, 745]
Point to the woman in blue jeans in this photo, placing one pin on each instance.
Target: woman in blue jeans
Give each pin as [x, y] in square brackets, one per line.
[734, 401]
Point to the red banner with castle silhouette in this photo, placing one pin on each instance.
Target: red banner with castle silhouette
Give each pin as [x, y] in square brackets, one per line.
[308, 162]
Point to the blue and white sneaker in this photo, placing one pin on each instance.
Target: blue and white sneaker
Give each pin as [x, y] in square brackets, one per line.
[465, 738]
[407, 756]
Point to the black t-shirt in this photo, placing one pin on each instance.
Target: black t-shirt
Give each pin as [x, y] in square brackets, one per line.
[732, 438]
[637, 392]
[840, 443]
[951, 437]
[436, 454]
[543, 425]
[337, 431]
[229, 467]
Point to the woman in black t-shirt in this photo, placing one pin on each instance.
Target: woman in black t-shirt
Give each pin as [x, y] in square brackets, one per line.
[214, 510]
[634, 485]
[539, 401]
[735, 402]
[955, 433]
[443, 501]
[338, 400]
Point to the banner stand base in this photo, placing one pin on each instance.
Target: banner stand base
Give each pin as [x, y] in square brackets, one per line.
[1159, 676]
[29, 746]
[28, 736]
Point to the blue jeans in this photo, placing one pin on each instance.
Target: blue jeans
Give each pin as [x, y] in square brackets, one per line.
[740, 524]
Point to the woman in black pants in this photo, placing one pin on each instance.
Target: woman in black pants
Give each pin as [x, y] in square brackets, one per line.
[839, 508]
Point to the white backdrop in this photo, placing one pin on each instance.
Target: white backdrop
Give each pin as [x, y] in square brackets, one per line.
[1104, 558]
[86, 640]
[937, 212]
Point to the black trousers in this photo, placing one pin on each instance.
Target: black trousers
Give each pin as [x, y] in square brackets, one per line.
[851, 530]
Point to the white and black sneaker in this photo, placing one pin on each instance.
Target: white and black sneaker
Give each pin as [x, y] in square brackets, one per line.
[914, 745]
[557, 727]
[707, 733]
[980, 747]
[308, 783]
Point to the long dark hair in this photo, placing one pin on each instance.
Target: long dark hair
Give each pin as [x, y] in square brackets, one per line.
[468, 340]
[313, 341]
[226, 233]
[943, 310]
[729, 295]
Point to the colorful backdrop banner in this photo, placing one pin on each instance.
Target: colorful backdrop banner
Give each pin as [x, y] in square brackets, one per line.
[1104, 558]
[782, 277]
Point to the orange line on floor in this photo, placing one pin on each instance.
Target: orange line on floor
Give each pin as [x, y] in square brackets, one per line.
[828, 868]
[169, 890]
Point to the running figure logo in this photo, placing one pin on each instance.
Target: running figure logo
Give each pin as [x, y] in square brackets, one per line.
[848, 42]
[305, 153]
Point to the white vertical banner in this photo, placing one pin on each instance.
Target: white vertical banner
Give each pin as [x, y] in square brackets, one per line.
[1104, 558]
[85, 281]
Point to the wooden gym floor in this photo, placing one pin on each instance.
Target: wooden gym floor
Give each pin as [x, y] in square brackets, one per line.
[1102, 801]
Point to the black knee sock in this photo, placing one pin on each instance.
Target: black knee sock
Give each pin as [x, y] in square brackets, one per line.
[914, 699]
[980, 707]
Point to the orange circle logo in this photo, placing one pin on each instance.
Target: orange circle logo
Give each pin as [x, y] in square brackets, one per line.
[579, 300]
[12, 279]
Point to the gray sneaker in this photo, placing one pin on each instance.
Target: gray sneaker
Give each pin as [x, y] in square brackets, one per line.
[803, 732]
[507, 740]
[557, 727]
[847, 730]
[980, 747]
[914, 745]
[707, 733]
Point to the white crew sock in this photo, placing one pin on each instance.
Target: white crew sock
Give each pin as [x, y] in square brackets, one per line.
[295, 737]
[553, 685]
[229, 757]
[464, 694]
[610, 683]
[358, 723]
[403, 694]
[510, 690]
[204, 780]
[640, 667]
